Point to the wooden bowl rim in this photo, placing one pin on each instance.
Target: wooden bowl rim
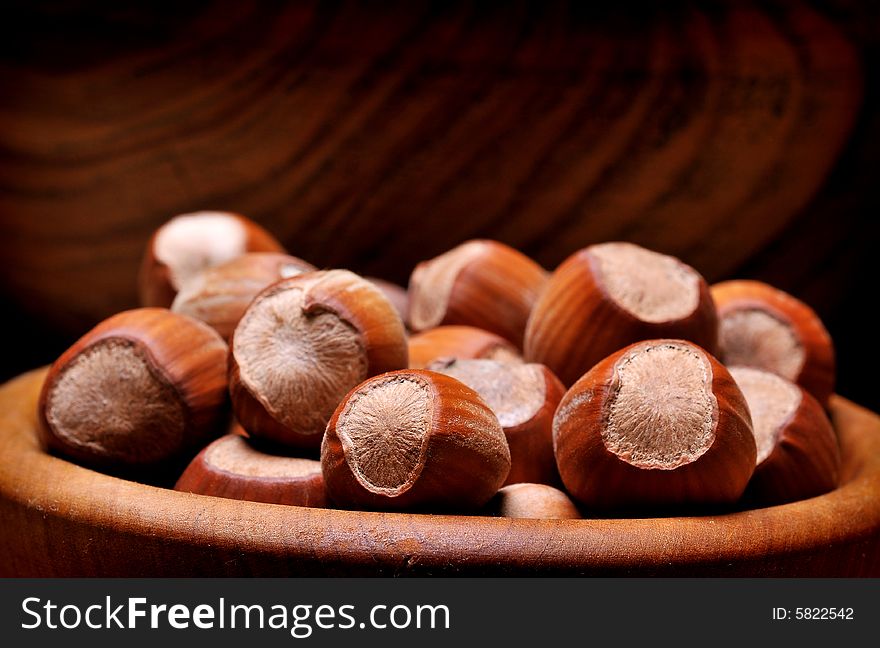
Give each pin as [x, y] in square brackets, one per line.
[405, 542]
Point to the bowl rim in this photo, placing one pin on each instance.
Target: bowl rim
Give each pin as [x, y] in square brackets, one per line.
[110, 526]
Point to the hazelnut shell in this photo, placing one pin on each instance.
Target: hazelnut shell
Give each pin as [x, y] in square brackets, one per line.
[479, 283]
[533, 501]
[817, 372]
[530, 439]
[805, 458]
[602, 480]
[220, 295]
[185, 360]
[458, 342]
[462, 461]
[575, 322]
[363, 310]
[157, 284]
[263, 477]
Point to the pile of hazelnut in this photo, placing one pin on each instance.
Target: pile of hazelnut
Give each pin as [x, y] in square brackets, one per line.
[621, 383]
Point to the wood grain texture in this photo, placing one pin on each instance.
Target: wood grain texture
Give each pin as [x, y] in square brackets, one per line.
[57, 519]
[373, 136]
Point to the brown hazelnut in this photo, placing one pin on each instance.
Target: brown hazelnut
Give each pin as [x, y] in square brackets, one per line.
[413, 440]
[220, 295]
[187, 244]
[302, 344]
[397, 295]
[798, 453]
[232, 467]
[479, 283]
[607, 296]
[536, 501]
[660, 423]
[143, 390]
[458, 342]
[524, 398]
[761, 326]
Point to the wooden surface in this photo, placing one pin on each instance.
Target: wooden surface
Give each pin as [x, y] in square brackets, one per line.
[376, 136]
[57, 519]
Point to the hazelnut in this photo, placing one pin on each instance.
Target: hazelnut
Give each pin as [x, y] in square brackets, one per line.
[537, 501]
[140, 392]
[397, 295]
[607, 296]
[302, 344]
[220, 295]
[798, 453]
[413, 439]
[763, 327]
[187, 244]
[524, 398]
[232, 467]
[479, 283]
[659, 423]
[459, 342]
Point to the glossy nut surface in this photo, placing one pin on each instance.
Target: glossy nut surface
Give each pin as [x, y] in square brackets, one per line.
[798, 453]
[414, 440]
[764, 327]
[658, 424]
[524, 397]
[458, 342]
[607, 296]
[302, 344]
[479, 283]
[234, 468]
[189, 243]
[141, 391]
[220, 295]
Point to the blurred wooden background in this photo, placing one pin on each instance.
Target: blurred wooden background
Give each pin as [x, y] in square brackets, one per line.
[741, 137]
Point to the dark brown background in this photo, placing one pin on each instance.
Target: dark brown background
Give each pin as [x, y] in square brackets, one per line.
[742, 137]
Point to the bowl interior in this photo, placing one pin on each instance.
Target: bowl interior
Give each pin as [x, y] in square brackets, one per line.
[59, 519]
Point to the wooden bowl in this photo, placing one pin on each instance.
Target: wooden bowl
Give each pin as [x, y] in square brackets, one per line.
[58, 519]
[372, 135]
